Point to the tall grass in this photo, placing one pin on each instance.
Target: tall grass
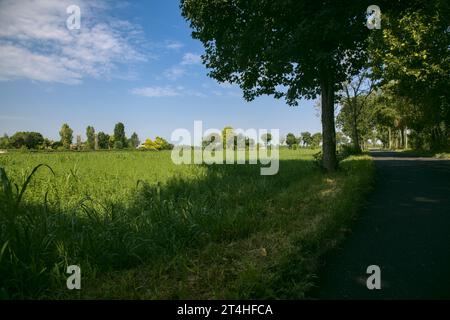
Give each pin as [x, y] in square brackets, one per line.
[141, 227]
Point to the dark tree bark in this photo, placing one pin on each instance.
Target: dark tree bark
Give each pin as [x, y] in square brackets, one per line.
[330, 162]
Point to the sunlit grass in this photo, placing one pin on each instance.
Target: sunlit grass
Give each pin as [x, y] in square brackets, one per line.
[141, 227]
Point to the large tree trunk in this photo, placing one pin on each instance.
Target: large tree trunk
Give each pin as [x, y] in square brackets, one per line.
[330, 162]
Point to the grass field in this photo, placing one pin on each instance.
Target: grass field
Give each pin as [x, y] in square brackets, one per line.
[141, 227]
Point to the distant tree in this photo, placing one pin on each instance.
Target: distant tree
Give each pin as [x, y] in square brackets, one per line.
[266, 138]
[79, 143]
[47, 144]
[341, 139]
[120, 140]
[134, 141]
[103, 140]
[306, 138]
[118, 145]
[149, 144]
[354, 98]
[316, 140]
[228, 137]
[291, 140]
[90, 133]
[111, 142]
[66, 134]
[57, 145]
[30, 140]
[213, 138]
[4, 142]
[249, 143]
[162, 144]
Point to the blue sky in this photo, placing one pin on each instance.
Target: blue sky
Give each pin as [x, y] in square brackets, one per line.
[133, 62]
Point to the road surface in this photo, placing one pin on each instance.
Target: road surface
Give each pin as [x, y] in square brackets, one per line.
[404, 229]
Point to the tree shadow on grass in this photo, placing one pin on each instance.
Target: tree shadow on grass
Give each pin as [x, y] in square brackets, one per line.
[224, 204]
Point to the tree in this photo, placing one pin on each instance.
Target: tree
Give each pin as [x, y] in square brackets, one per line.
[291, 140]
[4, 142]
[134, 141]
[354, 105]
[79, 143]
[29, 140]
[120, 140]
[411, 56]
[90, 133]
[66, 134]
[306, 138]
[356, 118]
[149, 144]
[316, 140]
[266, 138]
[162, 144]
[341, 139]
[111, 142]
[103, 140]
[249, 143]
[291, 49]
[47, 144]
[213, 138]
[228, 138]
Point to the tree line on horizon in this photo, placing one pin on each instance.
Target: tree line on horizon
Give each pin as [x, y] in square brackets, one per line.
[95, 141]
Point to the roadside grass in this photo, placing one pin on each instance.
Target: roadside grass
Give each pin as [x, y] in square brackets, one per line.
[426, 153]
[181, 232]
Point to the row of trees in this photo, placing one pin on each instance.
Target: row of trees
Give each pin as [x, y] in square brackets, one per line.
[303, 49]
[231, 140]
[95, 141]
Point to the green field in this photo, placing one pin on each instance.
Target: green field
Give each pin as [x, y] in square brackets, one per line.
[141, 227]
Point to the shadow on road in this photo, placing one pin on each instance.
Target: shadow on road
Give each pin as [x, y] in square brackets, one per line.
[404, 229]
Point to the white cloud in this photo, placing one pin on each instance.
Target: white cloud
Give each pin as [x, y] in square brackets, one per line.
[174, 45]
[174, 73]
[191, 58]
[155, 92]
[167, 91]
[35, 43]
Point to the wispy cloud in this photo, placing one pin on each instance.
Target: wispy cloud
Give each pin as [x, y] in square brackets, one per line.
[156, 92]
[35, 43]
[174, 73]
[191, 58]
[166, 91]
[173, 45]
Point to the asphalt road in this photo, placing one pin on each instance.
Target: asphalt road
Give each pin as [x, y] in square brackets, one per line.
[404, 229]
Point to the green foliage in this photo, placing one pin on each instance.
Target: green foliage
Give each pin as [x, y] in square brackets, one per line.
[90, 134]
[5, 143]
[288, 49]
[66, 134]
[291, 140]
[228, 137]
[120, 140]
[266, 138]
[134, 141]
[29, 140]
[306, 138]
[103, 140]
[158, 144]
[316, 140]
[211, 139]
[411, 57]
